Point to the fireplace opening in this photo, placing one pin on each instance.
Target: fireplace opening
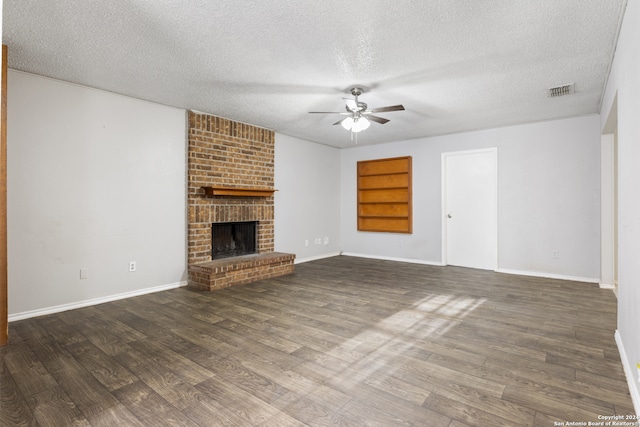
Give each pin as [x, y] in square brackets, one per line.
[229, 239]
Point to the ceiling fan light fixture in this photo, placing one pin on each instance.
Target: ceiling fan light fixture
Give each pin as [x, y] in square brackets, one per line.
[347, 123]
[359, 124]
[359, 117]
[355, 124]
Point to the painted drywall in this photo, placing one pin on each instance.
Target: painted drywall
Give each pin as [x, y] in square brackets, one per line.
[95, 180]
[548, 197]
[307, 203]
[624, 81]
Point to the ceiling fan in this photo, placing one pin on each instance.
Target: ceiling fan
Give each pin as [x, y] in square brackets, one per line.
[359, 117]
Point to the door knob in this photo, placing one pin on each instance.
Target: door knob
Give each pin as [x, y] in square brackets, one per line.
[449, 215]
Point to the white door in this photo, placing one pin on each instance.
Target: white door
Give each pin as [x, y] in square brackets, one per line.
[470, 208]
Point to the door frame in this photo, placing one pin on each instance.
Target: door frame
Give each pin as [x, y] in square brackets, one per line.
[607, 212]
[443, 192]
[4, 297]
[609, 201]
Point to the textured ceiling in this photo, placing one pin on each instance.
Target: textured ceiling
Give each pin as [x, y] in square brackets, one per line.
[455, 65]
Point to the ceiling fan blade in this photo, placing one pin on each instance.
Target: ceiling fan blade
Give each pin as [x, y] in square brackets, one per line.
[377, 119]
[329, 112]
[340, 121]
[389, 108]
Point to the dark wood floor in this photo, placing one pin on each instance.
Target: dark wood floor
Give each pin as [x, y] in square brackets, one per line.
[342, 342]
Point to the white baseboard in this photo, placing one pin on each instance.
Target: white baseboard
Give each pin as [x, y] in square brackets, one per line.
[500, 270]
[317, 257]
[386, 258]
[548, 275]
[606, 285]
[94, 301]
[629, 372]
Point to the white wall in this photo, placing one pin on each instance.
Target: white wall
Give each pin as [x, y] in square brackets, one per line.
[548, 197]
[95, 180]
[624, 81]
[307, 203]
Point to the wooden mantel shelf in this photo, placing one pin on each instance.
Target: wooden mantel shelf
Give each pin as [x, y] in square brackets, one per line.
[238, 192]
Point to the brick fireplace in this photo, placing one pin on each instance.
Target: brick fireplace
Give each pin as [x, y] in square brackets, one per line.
[230, 179]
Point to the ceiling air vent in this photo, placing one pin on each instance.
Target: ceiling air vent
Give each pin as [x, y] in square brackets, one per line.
[561, 90]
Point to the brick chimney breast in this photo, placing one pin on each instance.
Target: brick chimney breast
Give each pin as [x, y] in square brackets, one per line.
[224, 153]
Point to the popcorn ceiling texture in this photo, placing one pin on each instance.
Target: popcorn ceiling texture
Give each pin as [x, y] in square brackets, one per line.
[455, 65]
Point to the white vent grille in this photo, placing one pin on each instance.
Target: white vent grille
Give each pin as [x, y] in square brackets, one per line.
[561, 90]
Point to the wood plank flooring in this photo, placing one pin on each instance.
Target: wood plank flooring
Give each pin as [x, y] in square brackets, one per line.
[342, 342]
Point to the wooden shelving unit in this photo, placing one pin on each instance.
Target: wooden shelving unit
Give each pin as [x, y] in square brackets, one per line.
[384, 195]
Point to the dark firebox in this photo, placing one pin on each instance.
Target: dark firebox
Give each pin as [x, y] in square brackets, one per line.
[229, 239]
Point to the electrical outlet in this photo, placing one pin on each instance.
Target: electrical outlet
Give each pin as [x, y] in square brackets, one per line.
[555, 254]
[84, 273]
[326, 241]
[306, 242]
[132, 266]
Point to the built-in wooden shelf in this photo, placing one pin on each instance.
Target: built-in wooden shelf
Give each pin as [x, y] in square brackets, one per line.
[238, 192]
[384, 195]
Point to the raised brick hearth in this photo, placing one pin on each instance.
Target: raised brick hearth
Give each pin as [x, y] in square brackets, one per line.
[227, 154]
[222, 273]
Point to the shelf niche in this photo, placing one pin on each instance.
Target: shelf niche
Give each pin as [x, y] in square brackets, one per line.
[384, 195]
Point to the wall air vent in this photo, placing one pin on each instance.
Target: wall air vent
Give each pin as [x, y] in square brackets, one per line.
[562, 90]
